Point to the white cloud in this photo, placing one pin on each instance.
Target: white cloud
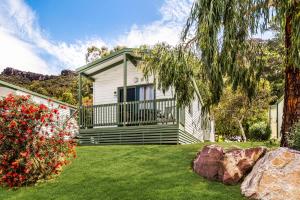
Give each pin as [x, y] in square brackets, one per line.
[17, 53]
[25, 46]
[24, 43]
[167, 29]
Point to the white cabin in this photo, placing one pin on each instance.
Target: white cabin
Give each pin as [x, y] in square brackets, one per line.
[145, 115]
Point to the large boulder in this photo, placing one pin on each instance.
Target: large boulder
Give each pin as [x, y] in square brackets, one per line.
[229, 167]
[237, 163]
[207, 162]
[276, 176]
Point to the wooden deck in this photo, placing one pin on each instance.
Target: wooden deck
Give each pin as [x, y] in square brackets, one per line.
[136, 113]
[141, 122]
[149, 134]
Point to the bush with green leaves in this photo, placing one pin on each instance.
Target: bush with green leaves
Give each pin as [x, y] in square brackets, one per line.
[33, 144]
[259, 131]
[294, 137]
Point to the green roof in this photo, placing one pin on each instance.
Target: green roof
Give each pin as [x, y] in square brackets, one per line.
[9, 85]
[104, 59]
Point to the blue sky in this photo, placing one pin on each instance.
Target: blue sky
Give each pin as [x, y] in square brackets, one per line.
[46, 36]
[70, 20]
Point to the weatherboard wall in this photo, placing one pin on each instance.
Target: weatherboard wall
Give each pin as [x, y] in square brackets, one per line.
[276, 117]
[107, 82]
[193, 120]
[4, 91]
[64, 113]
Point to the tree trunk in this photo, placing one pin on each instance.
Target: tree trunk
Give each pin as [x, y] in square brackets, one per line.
[291, 110]
[242, 130]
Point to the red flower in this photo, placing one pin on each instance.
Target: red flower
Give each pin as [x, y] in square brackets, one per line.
[24, 154]
[26, 170]
[28, 143]
[15, 164]
[43, 107]
[12, 124]
[29, 131]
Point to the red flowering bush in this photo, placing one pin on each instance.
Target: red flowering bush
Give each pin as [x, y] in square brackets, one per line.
[34, 144]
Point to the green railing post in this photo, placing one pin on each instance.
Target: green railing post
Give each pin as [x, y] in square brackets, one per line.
[80, 100]
[125, 88]
[177, 115]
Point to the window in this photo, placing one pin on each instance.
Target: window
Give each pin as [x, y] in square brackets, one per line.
[146, 92]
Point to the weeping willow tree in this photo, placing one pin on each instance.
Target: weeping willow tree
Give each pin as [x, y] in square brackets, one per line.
[182, 69]
[172, 67]
[217, 40]
[221, 30]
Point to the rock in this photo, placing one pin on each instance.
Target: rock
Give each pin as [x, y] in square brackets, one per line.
[67, 72]
[276, 176]
[26, 75]
[237, 163]
[207, 161]
[34, 76]
[228, 167]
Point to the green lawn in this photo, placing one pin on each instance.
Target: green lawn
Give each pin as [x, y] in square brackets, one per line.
[130, 172]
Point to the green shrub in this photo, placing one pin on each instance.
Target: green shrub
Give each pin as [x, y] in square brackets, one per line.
[260, 131]
[294, 137]
[33, 145]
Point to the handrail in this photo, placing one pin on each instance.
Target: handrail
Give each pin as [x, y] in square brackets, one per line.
[159, 111]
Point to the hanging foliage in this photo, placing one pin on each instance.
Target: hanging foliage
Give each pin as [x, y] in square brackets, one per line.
[218, 35]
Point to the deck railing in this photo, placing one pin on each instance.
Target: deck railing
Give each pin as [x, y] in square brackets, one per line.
[159, 111]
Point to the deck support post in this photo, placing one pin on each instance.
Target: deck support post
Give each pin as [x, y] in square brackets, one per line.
[80, 99]
[124, 88]
[154, 97]
[177, 115]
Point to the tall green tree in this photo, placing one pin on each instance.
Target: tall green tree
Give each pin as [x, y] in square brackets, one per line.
[220, 32]
[273, 67]
[235, 111]
[217, 41]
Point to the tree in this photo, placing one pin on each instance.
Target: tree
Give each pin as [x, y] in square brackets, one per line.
[220, 32]
[217, 38]
[176, 69]
[273, 65]
[93, 52]
[68, 96]
[235, 110]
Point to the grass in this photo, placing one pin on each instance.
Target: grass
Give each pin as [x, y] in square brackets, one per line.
[130, 172]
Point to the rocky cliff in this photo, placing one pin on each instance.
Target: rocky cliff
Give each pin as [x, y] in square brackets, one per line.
[30, 76]
[62, 87]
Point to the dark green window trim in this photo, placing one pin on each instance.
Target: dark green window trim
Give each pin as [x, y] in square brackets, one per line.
[138, 86]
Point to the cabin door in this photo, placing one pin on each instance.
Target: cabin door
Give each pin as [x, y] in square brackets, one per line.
[131, 108]
[131, 95]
